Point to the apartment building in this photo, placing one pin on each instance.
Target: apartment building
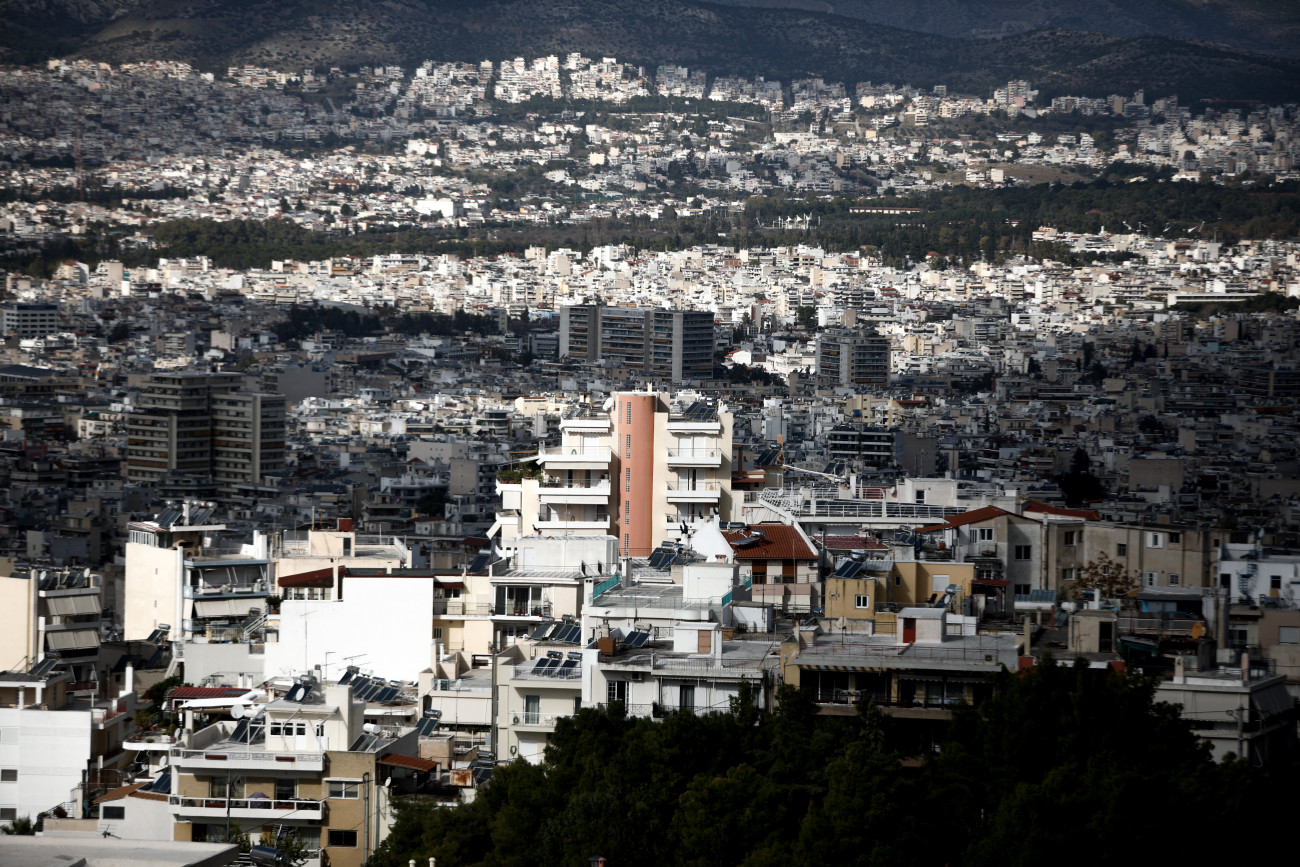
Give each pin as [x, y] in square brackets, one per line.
[669, 344]
[182, 576]
[204, 426]
[53, 614]
[639, 468]
[29, 320]
[305, 764]
[852, 358]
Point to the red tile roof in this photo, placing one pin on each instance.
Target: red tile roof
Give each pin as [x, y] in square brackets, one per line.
[189, 692]
[121, 792]
[411, 762]
[854, 543]
[973, 517]
[314, 578]
[779, 542]
[1044, 508]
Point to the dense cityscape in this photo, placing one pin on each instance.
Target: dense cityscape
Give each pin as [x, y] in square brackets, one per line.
[414, 462]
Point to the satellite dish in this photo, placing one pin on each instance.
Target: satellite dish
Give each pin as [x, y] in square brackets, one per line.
[237, 711]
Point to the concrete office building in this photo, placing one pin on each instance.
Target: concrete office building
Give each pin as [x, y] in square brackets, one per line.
[669, 344]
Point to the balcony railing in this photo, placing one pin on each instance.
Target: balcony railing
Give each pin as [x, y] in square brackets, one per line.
[510, 609]
[562, 454]
[248, 808]
[259, 759]
[204, 591]
[458, 608]
[528, 671]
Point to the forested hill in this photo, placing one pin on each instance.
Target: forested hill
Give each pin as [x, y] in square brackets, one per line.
[778, 43]
[1064, 766]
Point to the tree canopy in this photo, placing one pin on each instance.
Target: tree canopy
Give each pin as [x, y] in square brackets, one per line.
[1065, 762]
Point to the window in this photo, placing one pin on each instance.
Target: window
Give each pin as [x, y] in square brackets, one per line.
[920, 496]
[1175, 579]
[8, 775]
[985, 534]
[627, 452]
[8, 814]
[577, 704]
[343, 838]
[616, 690]
[1022, 589]
[437, 633]
[532, 710]
[1288, 635]
[1067, 574]
[1071, 538]
[1225, 580]
[862, 601]
[1024, 552]
[1275, 582]
[286, 789]
[1121, 550]
[629, 412]
[112, 812]
[1155, 540]
[1175, 538]
[627, 510]
[345, 790]
[898, 580]
[627, 480]
[1151, 578]
[627, 543]
[687, 700]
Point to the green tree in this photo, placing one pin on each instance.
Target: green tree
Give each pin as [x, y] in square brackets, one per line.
[22, 826]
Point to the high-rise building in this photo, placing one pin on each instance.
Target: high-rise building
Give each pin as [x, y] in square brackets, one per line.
[674, 345]
[639, 470]
[847, 357]
[204, 425]
[29, 320]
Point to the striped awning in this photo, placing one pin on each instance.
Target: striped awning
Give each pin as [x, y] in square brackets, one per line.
[224, 607]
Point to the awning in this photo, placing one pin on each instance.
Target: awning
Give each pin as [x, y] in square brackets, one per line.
[225, 607]
[991, 582]
[71, 606]
[411, 762]
[72, 639]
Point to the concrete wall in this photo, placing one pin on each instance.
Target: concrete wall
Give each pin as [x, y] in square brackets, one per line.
[50, 749]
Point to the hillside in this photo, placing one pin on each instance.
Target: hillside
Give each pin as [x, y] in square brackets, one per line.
[778, 43]
[1251, 25]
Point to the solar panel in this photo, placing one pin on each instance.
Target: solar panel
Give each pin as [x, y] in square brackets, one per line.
[298, 693]
[479, 564]
[427, 727]
[362, 744]
[660, 557]
[540, 666]
[540, 633]
[390, 694]
[568, 665]
[637, 639]
[572, 635]
[551, 665]
[44, 667]
[240, 733]
[155, 661]
[347, 675]
[157, 635]
[848, 569]
[163, 783]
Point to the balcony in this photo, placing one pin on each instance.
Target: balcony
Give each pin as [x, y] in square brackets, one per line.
[460, 608]
[694, 492]
[707, 456]
[586, 495]
[601, 524]
[559, 458]
[512, 609]
[534, 720]
[266, 809]
[208, 591]
[559, 676]
[246, 760]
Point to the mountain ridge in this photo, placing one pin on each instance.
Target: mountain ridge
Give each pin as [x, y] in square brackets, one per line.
[722, 39]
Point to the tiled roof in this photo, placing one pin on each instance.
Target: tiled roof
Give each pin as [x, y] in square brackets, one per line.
[120, 792]
[853, 543]
[314, 578]
[779, 542]
[1044, 508]
[973, 517]
[411, 762]
[189, 692]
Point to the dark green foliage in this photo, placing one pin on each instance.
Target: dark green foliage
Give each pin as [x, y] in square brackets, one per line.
[1080, 486]
[1066, 763]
